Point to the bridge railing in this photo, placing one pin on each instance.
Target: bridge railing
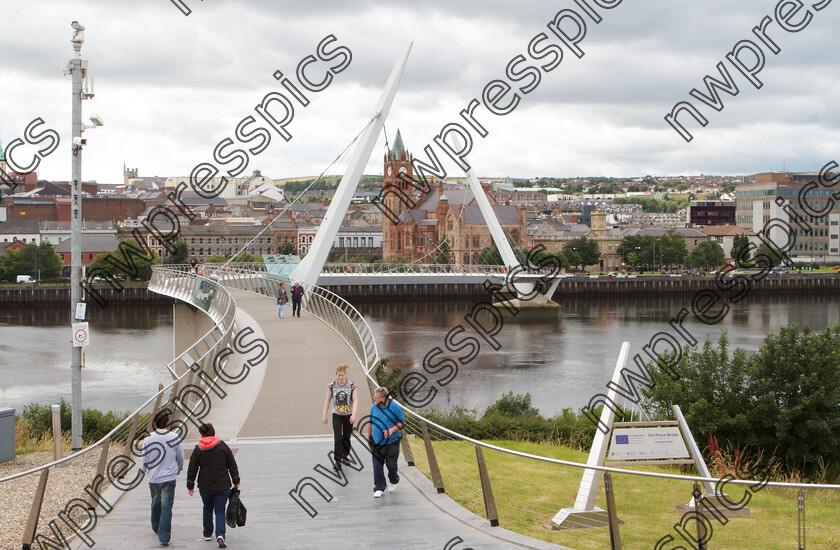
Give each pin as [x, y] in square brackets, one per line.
[412, 268]
[333, 310]
[521, 486]
[45, 500]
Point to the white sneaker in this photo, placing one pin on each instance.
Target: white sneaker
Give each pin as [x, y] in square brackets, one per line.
[377, 494]
[392, 488]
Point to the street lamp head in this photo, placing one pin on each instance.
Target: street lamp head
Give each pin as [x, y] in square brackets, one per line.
[96, 119]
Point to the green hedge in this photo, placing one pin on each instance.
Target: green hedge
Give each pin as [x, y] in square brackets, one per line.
[95, 423]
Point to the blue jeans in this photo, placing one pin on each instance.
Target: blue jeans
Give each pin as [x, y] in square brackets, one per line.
[163, 495]
[385, 455]
[280, 308]
[214, 504]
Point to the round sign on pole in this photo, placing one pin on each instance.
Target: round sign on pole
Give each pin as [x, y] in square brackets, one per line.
[81, 335]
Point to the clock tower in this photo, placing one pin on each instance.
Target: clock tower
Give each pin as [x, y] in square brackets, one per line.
[398, 196]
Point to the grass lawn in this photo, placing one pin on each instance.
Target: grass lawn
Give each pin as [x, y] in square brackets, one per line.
[529, 493]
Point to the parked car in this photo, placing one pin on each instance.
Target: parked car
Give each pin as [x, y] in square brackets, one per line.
[26, 280]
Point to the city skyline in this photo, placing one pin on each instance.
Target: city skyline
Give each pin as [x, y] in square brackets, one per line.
[169, 88]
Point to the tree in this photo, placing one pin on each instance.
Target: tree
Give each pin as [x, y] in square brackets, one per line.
[129, 261]
[641, 248]
[782, 398]
[740, 251]
[181, 252]
[587, 249]
[443, 253]
[572, 256]
[706, 254]
[288, 249]
[766, 257]
[490, 256]
[671, 248]
[49, 261]
[563, 259]
[34, 260]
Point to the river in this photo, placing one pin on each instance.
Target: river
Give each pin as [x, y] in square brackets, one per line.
[561, 360]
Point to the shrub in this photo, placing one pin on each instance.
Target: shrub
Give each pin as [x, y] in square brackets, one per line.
[95, 423]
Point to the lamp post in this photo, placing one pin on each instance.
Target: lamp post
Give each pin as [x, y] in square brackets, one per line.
[78, 69]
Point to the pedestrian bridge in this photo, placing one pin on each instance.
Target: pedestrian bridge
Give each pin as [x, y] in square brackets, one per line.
[261, 380]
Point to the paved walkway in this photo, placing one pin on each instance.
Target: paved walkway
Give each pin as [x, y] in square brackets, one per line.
[263, 420]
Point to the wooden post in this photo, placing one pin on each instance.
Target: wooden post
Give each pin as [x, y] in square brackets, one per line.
[437, 479]
[132, 432]
[406, 448]
[35, 512]
[56, 427]
[100, 470]
[150, 427]
[612, 515]
[486, 489]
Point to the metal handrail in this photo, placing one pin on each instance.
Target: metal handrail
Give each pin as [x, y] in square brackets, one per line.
[226, 322]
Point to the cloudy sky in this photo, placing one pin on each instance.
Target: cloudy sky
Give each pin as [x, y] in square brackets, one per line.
[170, 87]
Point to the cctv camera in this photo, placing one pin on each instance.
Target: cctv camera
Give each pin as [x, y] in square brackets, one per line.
[77, 26]
[96, 119]
[78, 142]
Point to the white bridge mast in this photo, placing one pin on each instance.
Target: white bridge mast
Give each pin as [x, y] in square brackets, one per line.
[309, 269]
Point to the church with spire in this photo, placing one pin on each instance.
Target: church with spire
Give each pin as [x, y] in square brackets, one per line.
[443, 226]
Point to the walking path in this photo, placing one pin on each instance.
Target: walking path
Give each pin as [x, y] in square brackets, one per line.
[272, 420]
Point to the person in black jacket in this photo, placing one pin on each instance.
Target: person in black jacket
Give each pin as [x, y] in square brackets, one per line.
[213, 461]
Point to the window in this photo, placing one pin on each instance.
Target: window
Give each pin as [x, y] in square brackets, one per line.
[475, 241]
[209, 251]
[201, 252]
[192, 240]
[217, 240]
[355, 242]
[90, 256]
[370, 242]
[201, 240]
[466, 245]
[192, 251]
[341, 242]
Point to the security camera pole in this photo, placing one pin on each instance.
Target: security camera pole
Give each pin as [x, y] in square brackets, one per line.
[78, 69]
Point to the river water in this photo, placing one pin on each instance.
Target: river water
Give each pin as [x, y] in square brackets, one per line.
[561, 360]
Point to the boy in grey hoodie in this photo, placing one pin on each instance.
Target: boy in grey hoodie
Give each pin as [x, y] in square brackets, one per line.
[163, 460]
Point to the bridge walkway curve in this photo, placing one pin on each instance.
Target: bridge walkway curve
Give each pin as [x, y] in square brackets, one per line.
[272, 421]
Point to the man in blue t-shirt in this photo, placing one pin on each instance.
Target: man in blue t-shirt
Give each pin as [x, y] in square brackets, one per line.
[386, 421]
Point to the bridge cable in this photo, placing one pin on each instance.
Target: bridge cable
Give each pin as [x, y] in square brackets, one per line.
[297, 198]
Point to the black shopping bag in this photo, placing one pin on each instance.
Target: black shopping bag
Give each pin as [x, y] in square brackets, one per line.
[236, 512]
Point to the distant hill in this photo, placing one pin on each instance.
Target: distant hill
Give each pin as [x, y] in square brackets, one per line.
[327, 179]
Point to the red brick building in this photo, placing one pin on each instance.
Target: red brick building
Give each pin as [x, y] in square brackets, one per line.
[451, 215]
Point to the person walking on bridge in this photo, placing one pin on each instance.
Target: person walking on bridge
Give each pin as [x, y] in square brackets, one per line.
[297, 297]
[213, 461]
[342, 393]
[386, 421]
[282, 298]
[163, 460]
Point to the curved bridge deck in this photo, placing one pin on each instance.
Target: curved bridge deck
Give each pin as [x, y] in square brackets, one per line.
[272, 420]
